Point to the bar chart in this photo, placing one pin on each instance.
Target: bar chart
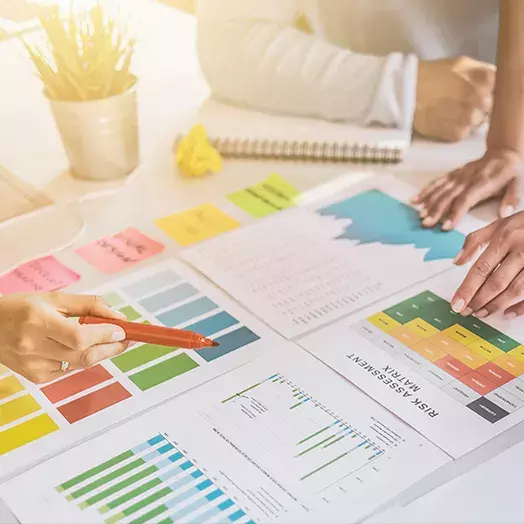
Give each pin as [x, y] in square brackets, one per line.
[321, 447]
[168, 294]
[152, 480]
[259, 444]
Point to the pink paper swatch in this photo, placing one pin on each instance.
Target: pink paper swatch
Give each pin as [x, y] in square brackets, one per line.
[42, 274]
[120, 251]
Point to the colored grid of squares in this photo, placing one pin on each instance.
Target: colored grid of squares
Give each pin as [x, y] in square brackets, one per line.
[76, 383]
[94, 402]
[21, 420]
[479, 359]
[83, 393]
[176, 303]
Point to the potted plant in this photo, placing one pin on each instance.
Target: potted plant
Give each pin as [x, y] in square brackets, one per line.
[85, 66]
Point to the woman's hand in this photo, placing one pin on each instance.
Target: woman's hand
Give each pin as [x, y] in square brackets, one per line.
[36, 335]
[496, 280]
[447, 199]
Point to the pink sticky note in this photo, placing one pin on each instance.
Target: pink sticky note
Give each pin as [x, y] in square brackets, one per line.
[42, 274]
[120, 251]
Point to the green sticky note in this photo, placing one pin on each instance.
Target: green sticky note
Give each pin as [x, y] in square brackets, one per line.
[269, 196]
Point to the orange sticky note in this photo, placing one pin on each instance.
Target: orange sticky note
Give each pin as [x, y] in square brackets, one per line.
[118, 252]
[42, 274]
[196, 224]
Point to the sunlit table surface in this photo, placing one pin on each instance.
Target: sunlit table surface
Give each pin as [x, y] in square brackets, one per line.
[171, 89]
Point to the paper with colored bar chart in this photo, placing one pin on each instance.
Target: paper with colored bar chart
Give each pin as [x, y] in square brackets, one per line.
[282, 439]
[458, 380]
[38, 421]
[306, 266]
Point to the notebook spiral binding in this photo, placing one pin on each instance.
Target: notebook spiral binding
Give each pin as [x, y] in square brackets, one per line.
[310, 151]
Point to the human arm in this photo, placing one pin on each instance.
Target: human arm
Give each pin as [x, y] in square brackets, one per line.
[37, 333]
[449, 198]
[251, 54]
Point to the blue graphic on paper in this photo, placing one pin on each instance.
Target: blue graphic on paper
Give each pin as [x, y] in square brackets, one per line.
[377, 217]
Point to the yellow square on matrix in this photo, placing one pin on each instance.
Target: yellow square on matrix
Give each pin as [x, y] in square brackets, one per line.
[196, 224]
[383, 322]
[422, 328]
[517, 353]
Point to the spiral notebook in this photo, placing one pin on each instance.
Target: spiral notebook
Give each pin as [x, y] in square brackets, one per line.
[242, 133]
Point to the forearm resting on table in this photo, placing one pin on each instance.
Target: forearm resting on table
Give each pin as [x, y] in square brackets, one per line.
[507, 123]
[274, 67]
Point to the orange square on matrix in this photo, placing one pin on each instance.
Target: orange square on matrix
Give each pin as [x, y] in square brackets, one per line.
[453, 366]
[446, 344]
[478, 383]
[510, 364]
[405, 335]
[427, 350]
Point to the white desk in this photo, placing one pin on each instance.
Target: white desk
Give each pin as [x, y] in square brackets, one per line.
[170, 91]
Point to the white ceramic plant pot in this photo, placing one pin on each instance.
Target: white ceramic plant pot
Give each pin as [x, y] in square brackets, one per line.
[100, 136]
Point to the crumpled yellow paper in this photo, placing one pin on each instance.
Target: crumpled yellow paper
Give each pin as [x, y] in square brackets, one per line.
[195, 156]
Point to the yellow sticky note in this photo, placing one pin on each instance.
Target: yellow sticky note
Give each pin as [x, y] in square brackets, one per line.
[196, 224]
[195, 156]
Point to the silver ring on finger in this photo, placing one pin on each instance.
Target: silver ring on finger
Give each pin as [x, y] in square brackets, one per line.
[64, 366]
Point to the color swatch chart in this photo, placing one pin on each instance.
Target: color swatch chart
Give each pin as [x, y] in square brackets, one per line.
[305, 267]
[161, 296]
[22, 417]
[323, 448]
[466, 358]
[151, 481]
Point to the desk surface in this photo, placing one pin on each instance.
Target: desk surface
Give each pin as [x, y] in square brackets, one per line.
[170, 91]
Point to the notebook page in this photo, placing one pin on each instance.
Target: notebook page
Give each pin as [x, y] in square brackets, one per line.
[224, 121]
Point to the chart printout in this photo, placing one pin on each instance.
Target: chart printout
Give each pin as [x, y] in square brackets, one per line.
[458, 380]
[282, 439]
[38, 421]
[307, 266]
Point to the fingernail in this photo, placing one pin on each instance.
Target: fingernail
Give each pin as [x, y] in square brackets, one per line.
[481, 313]
[446, 226]
[118, 335]
[423, 213]
[428, 221]
[510, 315]
[458, 305]
[507, 211]
[467, 312]
[458, 257]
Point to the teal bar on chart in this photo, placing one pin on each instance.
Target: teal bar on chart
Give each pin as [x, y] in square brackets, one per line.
[229, 342]
[187, 312]
[211, 325]
[151, 284]
[213, 512]
[168, 297]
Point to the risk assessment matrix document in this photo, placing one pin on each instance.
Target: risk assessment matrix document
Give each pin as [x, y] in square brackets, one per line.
[458, 380]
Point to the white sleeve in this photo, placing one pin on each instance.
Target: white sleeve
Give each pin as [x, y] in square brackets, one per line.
[251, 54]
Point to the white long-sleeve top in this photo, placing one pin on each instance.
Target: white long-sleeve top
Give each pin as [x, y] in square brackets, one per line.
[360, 63]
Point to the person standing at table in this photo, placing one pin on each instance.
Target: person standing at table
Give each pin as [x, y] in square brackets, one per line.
[397, 63]
[421, 65]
